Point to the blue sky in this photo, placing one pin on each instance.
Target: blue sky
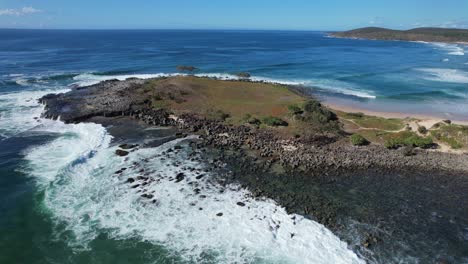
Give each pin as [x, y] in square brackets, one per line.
[233, 14]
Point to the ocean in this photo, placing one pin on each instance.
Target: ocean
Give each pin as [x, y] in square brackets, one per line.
[61, 202]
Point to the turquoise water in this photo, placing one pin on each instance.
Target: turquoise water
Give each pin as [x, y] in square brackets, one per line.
[61, 201]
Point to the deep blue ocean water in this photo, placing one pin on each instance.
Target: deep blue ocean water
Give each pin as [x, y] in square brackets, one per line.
[59, 200]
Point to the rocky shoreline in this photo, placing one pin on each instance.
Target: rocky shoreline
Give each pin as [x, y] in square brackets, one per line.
[321, 155]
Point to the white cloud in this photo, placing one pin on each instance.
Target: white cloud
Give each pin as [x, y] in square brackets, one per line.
[376, 21]
[460, 23]
[455, 24]
[20, 11]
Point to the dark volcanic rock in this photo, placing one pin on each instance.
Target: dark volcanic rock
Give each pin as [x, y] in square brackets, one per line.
[109, 98]
[121, 153]
[180, 177]
[128, 146]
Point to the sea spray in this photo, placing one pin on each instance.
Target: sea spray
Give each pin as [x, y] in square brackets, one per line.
[88, 191]
[19, 111]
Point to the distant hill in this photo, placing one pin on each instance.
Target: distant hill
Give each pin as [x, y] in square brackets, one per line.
[417, 34]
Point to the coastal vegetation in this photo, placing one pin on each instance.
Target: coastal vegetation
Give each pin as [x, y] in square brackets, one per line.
[417, 34]
[374, 122]
[273, 106]
[358, 140]
[456, 136]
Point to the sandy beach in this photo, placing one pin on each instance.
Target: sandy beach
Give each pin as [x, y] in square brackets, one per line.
[424, 118]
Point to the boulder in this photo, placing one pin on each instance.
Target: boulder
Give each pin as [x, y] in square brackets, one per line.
[121, 153]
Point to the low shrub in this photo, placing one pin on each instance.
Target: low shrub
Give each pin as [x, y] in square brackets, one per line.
[408, 139]
[274, 121]
[392, 143]
[358, 140]
[295, 110]
[312, 106]
[315, 112]
[452, 142]
[422, 130]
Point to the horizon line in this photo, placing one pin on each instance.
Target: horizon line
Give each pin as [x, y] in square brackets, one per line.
[181, 29]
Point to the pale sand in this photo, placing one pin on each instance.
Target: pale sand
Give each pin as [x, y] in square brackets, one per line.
[424, 120]
[421, 120]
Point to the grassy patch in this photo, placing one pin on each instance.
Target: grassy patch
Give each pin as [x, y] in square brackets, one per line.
[202, 95]
[447, 138]
[365, 121]
[407, 138]
[456, 136]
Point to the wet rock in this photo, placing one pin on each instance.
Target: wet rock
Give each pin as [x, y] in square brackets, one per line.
[128, 146]
[130, 180]
[147, 196]
[121, 153]
[180, 177]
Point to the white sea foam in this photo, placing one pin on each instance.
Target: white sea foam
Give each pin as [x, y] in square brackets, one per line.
[324, 84]
[445, 75]
[87, 79]
[91, 79]
[341, 87]
[18, 110]
[452, 49]
[82, 193]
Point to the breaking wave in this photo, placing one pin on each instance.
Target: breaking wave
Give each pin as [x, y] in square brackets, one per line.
[445, 75]
[193, 217]
[324, 85]
[451, 49]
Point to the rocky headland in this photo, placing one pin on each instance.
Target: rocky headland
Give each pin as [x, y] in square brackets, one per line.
[418, 34]
[313, 141]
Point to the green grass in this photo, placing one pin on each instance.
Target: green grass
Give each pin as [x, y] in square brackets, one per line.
[365, 121]
[407, 138]
[358, 140]
[451, 139]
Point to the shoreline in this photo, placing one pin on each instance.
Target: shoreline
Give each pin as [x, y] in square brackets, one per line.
[384, 114]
